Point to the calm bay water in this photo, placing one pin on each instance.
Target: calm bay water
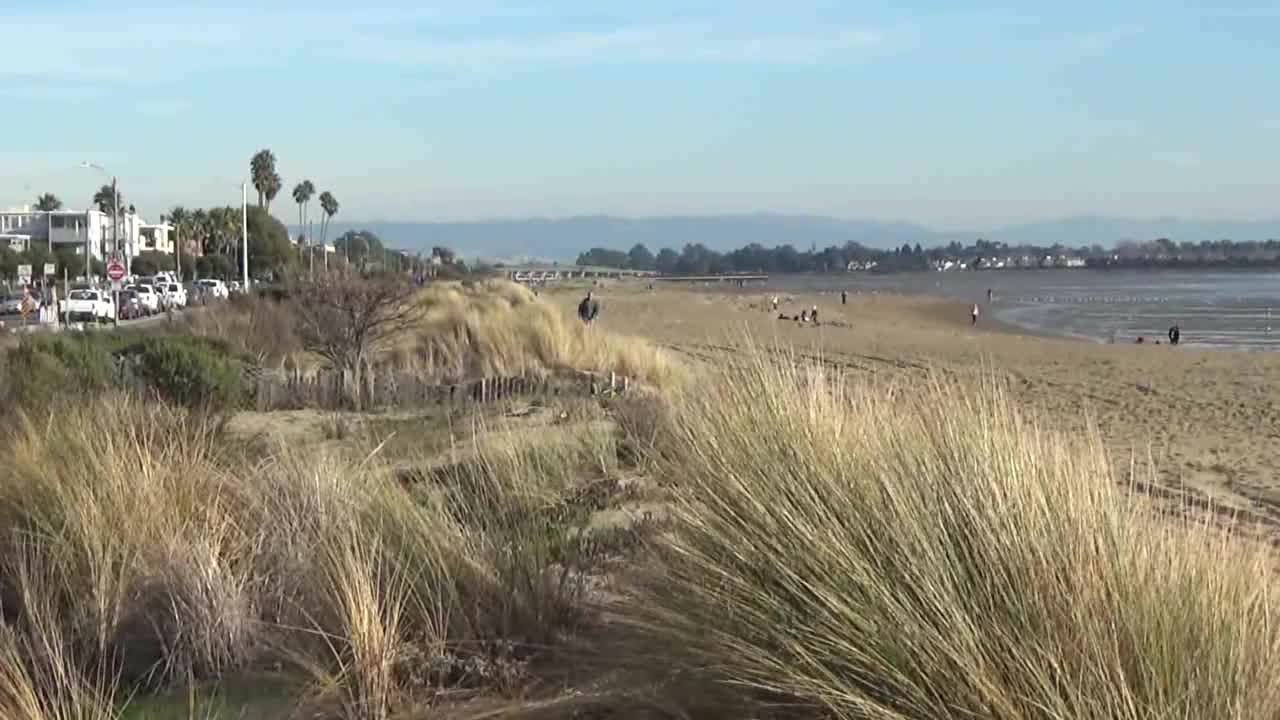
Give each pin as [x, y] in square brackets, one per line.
[1214, 309]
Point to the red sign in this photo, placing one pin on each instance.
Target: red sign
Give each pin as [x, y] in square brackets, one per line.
[116, 271]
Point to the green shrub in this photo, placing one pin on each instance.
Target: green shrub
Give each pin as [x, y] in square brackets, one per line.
[43, 367]
[194, 372]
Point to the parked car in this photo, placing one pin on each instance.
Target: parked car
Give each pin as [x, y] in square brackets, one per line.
[129, 305]
[212, 289]
[173, 295]
[11, 304]
[89, 306]
[148, 297]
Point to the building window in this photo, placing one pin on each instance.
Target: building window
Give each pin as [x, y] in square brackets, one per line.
[59, 222]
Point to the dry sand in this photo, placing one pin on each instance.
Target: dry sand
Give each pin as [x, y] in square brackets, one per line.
[1207, 419]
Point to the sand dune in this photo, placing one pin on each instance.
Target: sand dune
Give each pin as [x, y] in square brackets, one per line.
[1208, 420]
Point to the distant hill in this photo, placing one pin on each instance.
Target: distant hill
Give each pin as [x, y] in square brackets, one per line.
[562, 239]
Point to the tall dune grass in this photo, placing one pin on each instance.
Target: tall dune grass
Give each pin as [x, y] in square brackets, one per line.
[154, 554]
[460, 332]
[500, 328]
[925, 552]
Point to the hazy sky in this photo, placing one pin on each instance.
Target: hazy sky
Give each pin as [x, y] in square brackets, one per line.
[956, 117]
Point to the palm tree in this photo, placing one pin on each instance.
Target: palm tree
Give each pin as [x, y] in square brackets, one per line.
[180, 219]
[329, 204]
[199, 222]
[302, 193]
[105, 199]
[272, 188]
[262, 170]
[48, 202]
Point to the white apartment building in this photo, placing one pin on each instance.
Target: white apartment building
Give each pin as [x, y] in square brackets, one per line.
[83, 231]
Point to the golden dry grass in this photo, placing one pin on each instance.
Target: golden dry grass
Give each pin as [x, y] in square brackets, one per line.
[925, 552]
[498, 328]
[839, 550]
[145, 547]
[460, 331]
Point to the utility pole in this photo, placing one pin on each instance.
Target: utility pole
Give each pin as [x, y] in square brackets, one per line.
[244, 234]
[177, 251]
[115, 219]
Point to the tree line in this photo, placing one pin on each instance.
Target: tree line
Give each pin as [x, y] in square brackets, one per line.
[697, 259]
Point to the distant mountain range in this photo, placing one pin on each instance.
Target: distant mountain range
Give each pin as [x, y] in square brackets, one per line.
[562, 239]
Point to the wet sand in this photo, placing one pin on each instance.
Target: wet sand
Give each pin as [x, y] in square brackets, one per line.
[1209, 420]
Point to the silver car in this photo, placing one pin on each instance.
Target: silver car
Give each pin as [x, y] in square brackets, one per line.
[11, 304]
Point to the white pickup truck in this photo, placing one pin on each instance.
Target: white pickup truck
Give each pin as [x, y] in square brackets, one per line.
[89, 306]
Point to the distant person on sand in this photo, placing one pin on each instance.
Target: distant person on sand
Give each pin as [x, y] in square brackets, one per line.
[813, 314]
[844, 297]
[1175, 335]
[988, 295]
[975, 314]
[588, 309]
[804, 316]
[775, 303]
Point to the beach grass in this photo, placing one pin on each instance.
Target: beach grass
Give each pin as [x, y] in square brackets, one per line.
[924, 551]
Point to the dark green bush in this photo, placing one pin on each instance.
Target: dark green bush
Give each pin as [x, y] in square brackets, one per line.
[43, 367]
[191, 371]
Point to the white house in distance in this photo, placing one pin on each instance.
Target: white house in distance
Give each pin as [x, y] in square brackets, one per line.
[83, 231]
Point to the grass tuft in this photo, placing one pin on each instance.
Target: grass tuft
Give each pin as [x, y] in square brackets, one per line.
[926, 552]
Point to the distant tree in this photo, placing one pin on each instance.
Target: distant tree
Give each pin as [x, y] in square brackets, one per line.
[105, 199]
[48, 202]
[215, 266]
[8, 264]
[359, 247]
[150, 263]
[641, 258]
[262, 171]
[329, 205]
[302, 193]
[603, 257]
[270, 252]
[667, 262]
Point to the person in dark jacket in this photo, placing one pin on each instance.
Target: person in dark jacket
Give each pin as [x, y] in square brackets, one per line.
[1175, 335]
[588, 309]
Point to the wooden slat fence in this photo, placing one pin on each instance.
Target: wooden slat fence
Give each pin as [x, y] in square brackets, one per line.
[335, 389]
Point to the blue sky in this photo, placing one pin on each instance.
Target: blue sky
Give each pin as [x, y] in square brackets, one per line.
[955, 116]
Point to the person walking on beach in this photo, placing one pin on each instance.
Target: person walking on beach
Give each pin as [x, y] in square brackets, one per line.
[813, 314]
[989, 295]
[1175, 334]
[975, 314]
[588, 309]
[844, 297]
[775, 303]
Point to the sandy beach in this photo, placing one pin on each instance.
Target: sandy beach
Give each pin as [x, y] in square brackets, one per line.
[1208, 420]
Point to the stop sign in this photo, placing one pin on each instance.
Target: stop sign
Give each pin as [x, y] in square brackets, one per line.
[116, 271]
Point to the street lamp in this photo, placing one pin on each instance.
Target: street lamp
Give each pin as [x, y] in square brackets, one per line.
[115, 218]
